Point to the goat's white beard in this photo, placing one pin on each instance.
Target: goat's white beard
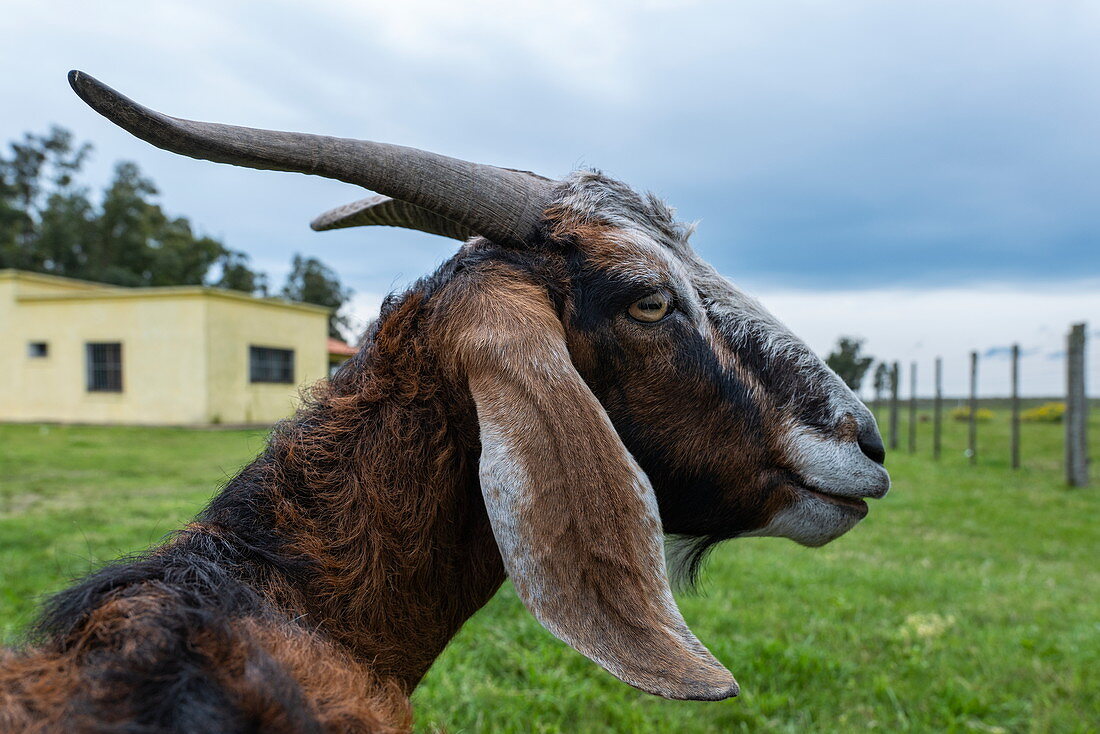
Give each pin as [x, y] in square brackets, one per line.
[809, 521]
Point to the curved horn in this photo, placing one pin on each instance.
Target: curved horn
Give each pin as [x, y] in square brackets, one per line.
[387, 212]
[501, 204]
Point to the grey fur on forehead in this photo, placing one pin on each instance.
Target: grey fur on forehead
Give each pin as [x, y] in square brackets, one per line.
[599, 198]
[739, 317]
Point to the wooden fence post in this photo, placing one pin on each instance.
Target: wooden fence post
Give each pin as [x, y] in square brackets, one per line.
[1077, 410]
[1015, 406]
[937, 410]
[894, 379]
[912, 407]
[973, 417]
[876, 402]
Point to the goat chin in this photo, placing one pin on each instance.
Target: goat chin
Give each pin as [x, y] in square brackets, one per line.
[813, 519]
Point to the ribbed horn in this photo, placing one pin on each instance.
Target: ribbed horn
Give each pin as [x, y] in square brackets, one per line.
[498, 203]
[387, 212]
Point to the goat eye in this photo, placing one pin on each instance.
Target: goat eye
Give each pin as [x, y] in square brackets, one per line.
[650, 309]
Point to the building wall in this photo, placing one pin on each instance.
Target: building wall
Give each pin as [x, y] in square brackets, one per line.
[184, 352]
[232, 327]
[163, 361]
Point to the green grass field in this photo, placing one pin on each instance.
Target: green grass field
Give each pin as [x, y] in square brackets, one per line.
[969, 599]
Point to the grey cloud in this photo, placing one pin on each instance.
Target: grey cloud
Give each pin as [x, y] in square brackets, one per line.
[874, 145]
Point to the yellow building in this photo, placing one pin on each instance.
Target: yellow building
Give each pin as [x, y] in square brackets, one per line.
[74, 351]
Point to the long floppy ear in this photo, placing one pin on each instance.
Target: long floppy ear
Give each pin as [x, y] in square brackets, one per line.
[387, 212]
[573, 514]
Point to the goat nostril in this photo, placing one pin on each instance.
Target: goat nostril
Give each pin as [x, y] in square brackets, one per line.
[870, 443]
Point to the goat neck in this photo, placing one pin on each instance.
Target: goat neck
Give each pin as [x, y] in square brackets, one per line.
[372, 491]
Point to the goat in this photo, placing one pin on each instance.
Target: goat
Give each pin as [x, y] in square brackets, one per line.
[573, 385]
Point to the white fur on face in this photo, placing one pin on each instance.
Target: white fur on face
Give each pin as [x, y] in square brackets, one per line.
[823, 460]
[810, 521]
[744, 320]
[835, 467]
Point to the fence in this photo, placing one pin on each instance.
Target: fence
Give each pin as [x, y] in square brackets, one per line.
[1075, 418]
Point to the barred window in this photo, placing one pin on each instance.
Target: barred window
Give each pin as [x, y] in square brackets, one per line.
[267, 364]
[104, 366]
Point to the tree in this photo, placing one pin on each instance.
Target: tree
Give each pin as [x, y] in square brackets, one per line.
[883, 377]
[236, 275]
[127, 220]
[11, 222]
[41, 164]
[311, 281]
[41, 167]
[66, 231]
[48, 224]
[846, 361]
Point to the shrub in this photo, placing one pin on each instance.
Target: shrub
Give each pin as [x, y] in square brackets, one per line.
[1045, 413]
[981, 415]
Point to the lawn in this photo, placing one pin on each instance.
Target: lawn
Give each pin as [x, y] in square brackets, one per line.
[969, 599]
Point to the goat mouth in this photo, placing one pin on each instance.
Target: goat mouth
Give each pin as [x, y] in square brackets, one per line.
[854, 504]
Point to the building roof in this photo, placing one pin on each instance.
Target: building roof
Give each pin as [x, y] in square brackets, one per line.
[57, 281]
[337, 347]
[83, 290]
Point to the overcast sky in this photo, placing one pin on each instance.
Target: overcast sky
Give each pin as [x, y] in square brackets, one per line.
[923, 174]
